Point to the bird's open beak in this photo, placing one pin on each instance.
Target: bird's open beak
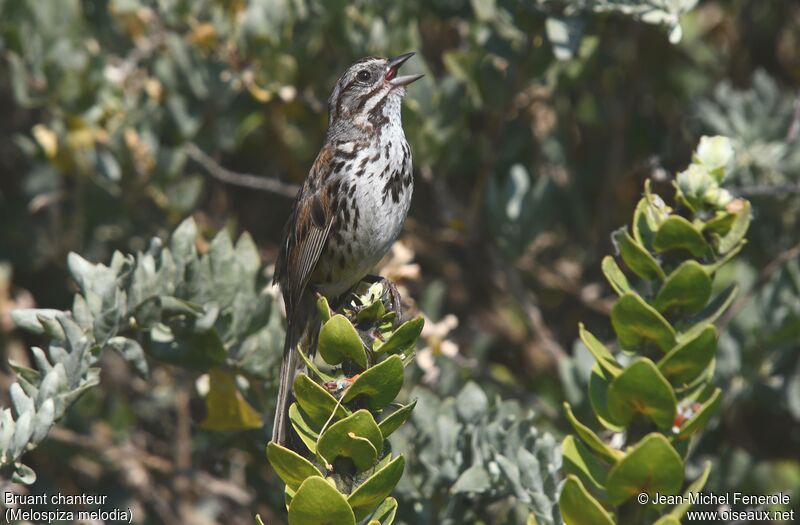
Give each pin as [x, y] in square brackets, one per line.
[393, 65]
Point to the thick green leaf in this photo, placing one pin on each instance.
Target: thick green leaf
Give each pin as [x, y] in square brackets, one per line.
[637, 323]
[678, 233]
[690, 358]
[636, 257]
[356, 437]
[379, 384]
[317, 502]
[371, 313]
[580, 461]
[338, 340]
[601, 354]
[651, 466]
[599, 381]
[737, 230]
[324, 309]
[403, 339]
[686, 290]
[397, 418]
[315, 401]
[578, 507]
[642, 389]
[372, 492]
[614, 275]
[643, 226]
[305, 427]
[590, 438]
[384, 514]
[290, 466]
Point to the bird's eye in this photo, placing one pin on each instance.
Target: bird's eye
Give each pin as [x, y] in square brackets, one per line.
[363, 76]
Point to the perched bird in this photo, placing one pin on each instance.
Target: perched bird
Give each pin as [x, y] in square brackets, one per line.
[351, 207]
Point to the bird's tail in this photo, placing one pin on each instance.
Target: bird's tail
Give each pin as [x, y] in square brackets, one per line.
[303, 330]
[288, 371]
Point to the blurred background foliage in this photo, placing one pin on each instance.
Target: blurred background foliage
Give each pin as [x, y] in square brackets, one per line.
[532, 131]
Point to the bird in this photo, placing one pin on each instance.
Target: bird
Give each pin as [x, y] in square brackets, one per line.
[349, 210]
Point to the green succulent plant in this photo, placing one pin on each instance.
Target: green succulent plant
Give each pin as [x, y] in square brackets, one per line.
[343, 413]
[656, 393]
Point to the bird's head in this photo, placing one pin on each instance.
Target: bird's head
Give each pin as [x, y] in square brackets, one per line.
[369, 90]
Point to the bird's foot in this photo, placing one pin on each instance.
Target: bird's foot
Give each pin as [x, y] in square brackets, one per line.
[394, 295]
[341, 384]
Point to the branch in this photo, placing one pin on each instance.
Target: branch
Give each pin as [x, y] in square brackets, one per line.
[245, 180]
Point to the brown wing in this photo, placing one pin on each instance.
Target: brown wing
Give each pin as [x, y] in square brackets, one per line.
[306, 232]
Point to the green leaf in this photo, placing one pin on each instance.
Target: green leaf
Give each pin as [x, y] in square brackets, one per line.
[690, 358]
[471, 402]
[579, 460]
[402, 339]
[678, 233]
[651, 466]
[601, 354]
[356, 437]
[226, 408]
[578, 507]
[290, 466]
[324, 309]
[371, 313]
[701, 416]
[305, 427]
[397, 418]
[636, 257]
[28, 318]
[737, 231]
[317, 502]
[384, 514]
[338, 340]
[247, 256]
[379, 384]
[614, 275]
[372, 492]
[590, 438]
[643, 226]
[315, 401]
[642, 389]
[686, 290]
[599, 381]
[182, 243]
[637, 323]
[473, 480]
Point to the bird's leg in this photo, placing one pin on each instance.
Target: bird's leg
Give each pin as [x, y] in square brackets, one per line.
[393, 293]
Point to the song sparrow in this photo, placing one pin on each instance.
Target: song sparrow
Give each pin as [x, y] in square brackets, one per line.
[351, 207]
